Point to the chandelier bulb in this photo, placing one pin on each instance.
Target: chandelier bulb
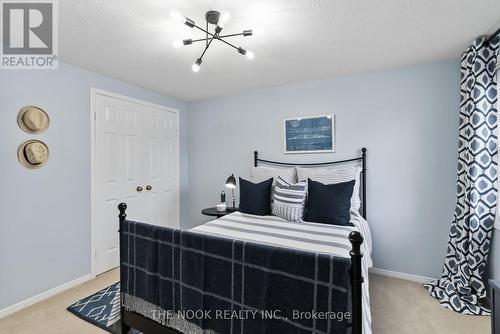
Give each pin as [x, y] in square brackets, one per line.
[196, 65]
[250, 55]
[177, 16]
[224, 19]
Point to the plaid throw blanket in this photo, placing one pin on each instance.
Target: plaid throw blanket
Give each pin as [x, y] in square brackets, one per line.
[196, 284]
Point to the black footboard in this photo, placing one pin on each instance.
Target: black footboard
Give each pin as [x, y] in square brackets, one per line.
[133, 320]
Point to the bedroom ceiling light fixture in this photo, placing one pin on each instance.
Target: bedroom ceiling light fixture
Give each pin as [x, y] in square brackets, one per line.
[217, 19]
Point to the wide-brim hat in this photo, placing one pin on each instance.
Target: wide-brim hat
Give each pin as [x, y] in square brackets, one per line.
[33, 154]
[33, 119]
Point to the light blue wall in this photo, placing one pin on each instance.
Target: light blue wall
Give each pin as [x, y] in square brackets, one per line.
[45, 224]
[408, 120]
[494, 259]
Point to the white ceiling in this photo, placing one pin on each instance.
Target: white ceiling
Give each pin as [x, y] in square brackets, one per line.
[296, 40]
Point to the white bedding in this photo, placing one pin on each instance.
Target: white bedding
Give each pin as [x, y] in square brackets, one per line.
[306, 236]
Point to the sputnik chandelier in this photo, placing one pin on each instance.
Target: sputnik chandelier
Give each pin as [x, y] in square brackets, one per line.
[218, 20]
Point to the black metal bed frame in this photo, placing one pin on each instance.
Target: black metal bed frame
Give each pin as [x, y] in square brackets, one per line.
[362, 158]
[134, 320]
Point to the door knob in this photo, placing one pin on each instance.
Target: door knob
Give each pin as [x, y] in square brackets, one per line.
[148, 187]
[139, 189]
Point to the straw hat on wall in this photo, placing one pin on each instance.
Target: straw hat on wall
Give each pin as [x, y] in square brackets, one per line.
[33, 154]
[33, 119]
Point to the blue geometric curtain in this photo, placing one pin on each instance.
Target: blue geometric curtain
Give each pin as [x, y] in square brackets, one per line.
[461, 286]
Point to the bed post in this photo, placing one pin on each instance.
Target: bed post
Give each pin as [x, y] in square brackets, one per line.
[255, 158]
[356, 281]
[122, 207]
[363, 157]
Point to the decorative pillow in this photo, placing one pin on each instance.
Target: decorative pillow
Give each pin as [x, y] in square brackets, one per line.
[259, 174]
[335, 175]
[330, 203]
[289, 199]
[255, 198]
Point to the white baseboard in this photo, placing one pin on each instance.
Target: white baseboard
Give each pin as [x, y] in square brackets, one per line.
[395, 274]
[47, 294]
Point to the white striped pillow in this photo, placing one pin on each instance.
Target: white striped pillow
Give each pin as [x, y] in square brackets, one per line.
[289, 199]
[259, 174]
[334, 175]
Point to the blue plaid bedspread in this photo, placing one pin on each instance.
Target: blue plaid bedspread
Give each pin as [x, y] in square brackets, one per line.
[196, 284]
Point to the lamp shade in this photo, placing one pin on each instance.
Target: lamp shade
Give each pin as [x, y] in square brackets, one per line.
[231, 182]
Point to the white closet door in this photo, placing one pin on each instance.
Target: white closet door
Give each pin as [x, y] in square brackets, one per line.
[136, 161]
[162, 167]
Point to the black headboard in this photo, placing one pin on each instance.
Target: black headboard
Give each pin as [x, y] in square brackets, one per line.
[362, 158]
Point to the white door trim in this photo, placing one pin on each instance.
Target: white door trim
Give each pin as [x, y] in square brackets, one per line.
[93, 93]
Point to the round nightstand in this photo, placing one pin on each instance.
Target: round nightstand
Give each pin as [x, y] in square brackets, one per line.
[214, 213]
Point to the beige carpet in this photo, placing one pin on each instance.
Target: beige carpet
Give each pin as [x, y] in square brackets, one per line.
[405, 307]
[51, 317]
[398, 307]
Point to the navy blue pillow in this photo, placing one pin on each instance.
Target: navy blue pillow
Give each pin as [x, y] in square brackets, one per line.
[329, 203]
[255, 198]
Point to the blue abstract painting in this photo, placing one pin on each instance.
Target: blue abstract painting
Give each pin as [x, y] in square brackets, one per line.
[310, 134]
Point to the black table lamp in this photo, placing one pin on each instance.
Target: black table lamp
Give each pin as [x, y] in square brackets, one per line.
[231, 184]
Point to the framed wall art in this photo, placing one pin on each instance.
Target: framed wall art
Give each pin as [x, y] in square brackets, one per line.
[314, 134]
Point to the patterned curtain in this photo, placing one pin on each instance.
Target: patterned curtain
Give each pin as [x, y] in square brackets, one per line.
[461, 287]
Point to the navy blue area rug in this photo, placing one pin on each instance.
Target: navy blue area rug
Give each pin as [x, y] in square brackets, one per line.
[101, 309]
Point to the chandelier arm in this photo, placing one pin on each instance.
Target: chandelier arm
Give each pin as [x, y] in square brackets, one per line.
[207, 39]
[231, 35]
[213, 36]
[202, 29]
[201, 40]
[207, 46]
[224, 41]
